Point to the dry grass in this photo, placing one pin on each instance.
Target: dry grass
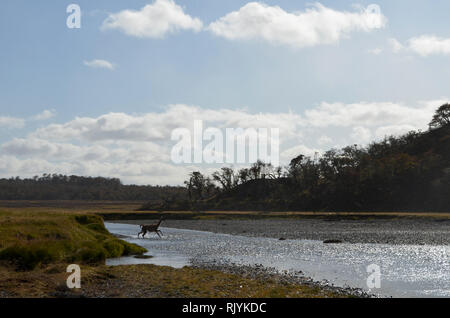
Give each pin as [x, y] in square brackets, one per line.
[128, 210]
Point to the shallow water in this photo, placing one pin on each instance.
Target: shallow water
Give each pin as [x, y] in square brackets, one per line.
[406, 270]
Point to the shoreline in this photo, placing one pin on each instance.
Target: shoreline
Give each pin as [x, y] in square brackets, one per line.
[408, 231]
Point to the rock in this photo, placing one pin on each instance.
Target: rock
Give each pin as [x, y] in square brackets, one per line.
[143, 256]
[282, 239]
[332, 241]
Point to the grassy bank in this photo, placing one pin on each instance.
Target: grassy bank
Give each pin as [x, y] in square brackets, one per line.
[29, 238]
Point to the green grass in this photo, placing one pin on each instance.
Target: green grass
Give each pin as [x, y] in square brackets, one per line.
[28, 239]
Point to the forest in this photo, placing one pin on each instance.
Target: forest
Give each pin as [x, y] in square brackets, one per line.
[62, 187]
[406, 173]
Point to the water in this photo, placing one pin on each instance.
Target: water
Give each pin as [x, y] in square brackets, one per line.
[406, 270]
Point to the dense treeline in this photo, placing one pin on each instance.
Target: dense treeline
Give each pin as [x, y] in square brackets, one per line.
[61, 187]
[406, 173]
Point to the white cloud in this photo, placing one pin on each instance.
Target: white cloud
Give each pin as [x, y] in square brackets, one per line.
[395, 45]
[315, 26]
[39, 147]
[395, 130]
[158, 126]
[361, 135]
[152, 21]
[46, 114]
[376, 51]
[426, 45]
[14, 122]
[11, 122]
[324, 140]
[372, 114]
[99, 64]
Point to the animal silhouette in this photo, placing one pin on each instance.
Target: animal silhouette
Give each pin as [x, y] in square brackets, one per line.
[150, 228]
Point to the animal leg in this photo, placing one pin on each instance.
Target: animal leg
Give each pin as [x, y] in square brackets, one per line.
[157, 232]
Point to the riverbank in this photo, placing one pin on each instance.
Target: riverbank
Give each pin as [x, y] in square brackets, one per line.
[37, 246]
[39, 225]
[410, 231]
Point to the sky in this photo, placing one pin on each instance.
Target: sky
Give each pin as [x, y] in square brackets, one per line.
[103, 99]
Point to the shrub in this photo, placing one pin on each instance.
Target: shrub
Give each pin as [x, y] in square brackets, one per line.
[88, 219]
[91, 254]
[114, 247]
[26, 257]
[97, 227]
[132, 249]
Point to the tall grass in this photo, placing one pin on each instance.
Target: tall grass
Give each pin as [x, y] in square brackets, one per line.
[28, 239]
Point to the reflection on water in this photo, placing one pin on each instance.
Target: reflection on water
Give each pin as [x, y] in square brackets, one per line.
[406, 270]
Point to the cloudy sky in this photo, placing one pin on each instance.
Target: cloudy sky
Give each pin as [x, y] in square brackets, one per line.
[104, 99]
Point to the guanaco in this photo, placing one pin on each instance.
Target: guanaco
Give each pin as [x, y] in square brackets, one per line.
[150, 228]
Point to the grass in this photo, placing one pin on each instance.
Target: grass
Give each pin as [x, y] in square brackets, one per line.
[29, 238]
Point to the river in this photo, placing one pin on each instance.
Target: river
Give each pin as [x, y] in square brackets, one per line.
[405, 270]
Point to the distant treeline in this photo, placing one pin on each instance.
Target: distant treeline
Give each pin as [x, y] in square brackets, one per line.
[62, 187]
[406, 173]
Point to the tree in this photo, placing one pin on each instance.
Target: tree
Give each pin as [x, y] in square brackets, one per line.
[256, 170]
[226, 177]
[244, 175]
[441, 117]
[196, 185]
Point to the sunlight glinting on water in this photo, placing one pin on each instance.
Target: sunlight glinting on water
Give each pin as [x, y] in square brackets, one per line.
[406, 270]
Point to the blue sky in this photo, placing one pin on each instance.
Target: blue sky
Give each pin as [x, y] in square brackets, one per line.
[42, 67]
